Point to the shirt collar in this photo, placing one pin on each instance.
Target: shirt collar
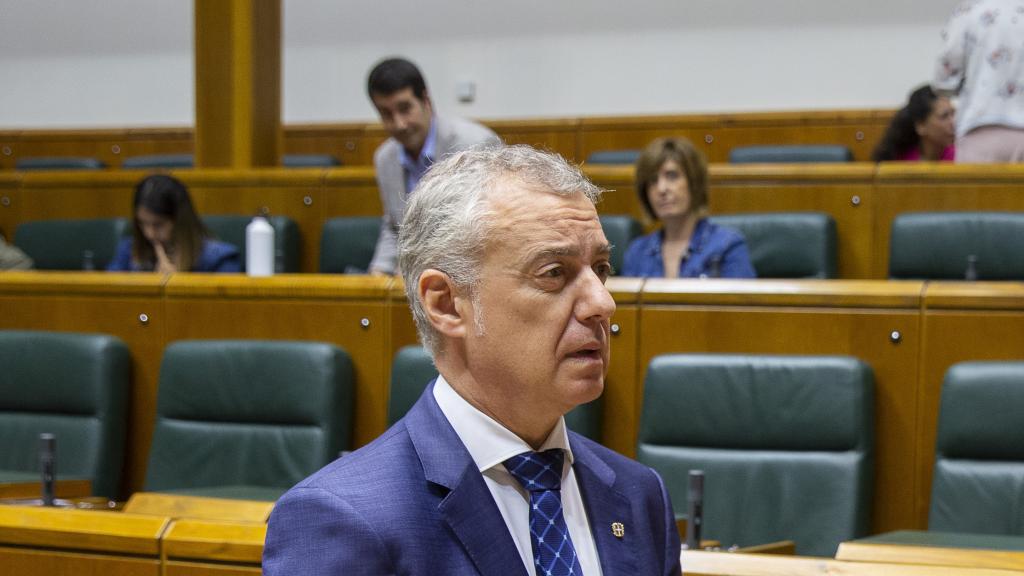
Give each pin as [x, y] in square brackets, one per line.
[488, 442]
[427, 153]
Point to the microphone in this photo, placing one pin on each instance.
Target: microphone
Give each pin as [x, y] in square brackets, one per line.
[971, 274]
[694, 509]
[48, 463]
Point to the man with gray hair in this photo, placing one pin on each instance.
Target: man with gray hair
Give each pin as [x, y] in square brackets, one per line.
[504, 262]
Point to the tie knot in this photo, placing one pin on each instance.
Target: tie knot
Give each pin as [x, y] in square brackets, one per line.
[537, 471]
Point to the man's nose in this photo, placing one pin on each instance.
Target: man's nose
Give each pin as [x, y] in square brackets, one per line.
[399, 121]
[596, 302]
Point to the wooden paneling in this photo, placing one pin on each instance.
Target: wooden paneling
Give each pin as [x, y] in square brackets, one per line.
[621, 397]
[76, 195]
[961, 323]
[27, 562]
[717, 134]
[321, 308]
[555, 135]
[97, 531]
[809, 317]
[10, 204]
[844, 192]
[343, 141]
[940, 188]
[107, 303]
[295, 193]
[701, 563]
[198, 507]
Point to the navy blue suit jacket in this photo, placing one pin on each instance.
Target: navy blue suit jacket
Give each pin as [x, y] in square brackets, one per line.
[413, 502]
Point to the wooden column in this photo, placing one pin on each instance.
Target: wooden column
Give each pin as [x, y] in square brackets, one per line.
[238, 83]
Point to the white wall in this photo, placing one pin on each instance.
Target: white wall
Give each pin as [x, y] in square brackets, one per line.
[76, 63]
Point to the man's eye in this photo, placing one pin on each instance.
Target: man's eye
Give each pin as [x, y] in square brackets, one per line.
[555, 272]
[603, 270]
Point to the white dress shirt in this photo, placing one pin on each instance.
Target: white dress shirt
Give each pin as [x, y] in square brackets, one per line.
[490, 444]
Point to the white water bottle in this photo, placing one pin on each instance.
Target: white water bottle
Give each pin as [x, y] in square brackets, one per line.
[259, 247]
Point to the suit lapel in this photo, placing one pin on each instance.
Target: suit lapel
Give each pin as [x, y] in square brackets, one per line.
[468, 508]
[605, 506]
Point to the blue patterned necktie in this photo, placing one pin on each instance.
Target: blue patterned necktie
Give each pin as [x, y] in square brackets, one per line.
[540, 473]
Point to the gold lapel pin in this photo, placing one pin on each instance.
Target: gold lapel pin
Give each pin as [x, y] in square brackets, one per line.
[618, 529]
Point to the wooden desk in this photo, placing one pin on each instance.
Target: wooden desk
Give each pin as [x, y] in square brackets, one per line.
[205, 548]
[62, 489]
[45, 541]
[699, 563]
[937, 549]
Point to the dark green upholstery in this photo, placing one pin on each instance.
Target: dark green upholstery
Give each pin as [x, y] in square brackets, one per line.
[74, 386]
[61, 244]
[309, 161]
[287, 239]
[161, 161]
[936, 245]
[978, 483]
[237, 418]
[58, 163]
[613, 157]
[788, 245]
[785, 443]
[412, 370]
[620, 230]
[797, 153]
[347, 244]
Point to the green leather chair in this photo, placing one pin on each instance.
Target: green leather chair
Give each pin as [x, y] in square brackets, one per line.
[978, 483]
[63, 244]
[613, 157]
[158, 161]
[248, 418]
[937, 245]
[620, 229]
[412, 370]
[58, 163]
[309, 161]
[785, 443]
[797, 153]
[287, 238]
[74, 386]
[788, 245]
[347, 244]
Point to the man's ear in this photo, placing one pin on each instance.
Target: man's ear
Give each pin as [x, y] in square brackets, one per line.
[442, 303]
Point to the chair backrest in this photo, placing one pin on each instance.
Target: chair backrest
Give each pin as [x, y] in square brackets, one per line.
[63, 244]
[309, 161]
[937, 245]
[979, 454]
[798, 153]
[236, 416]
[620, 229]
[785, 443]
[165, 161]
[347, 244]
[58, 163]
[613, 157]
[788, 245]
[74, 386]
[287, 240]
[412, 370]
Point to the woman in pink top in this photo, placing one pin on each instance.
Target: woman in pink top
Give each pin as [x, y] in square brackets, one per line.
[923, 130]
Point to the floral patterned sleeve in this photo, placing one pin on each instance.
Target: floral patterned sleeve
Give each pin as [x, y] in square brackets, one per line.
[949, 70]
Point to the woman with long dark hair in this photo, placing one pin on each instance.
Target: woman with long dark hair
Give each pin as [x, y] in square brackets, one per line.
[168, 236]
[923, 130]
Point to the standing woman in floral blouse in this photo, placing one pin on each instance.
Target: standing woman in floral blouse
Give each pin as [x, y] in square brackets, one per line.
[672, 183]
[982, 61]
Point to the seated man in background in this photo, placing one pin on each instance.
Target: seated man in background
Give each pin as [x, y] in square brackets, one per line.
[504, 262]
[418, 139]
